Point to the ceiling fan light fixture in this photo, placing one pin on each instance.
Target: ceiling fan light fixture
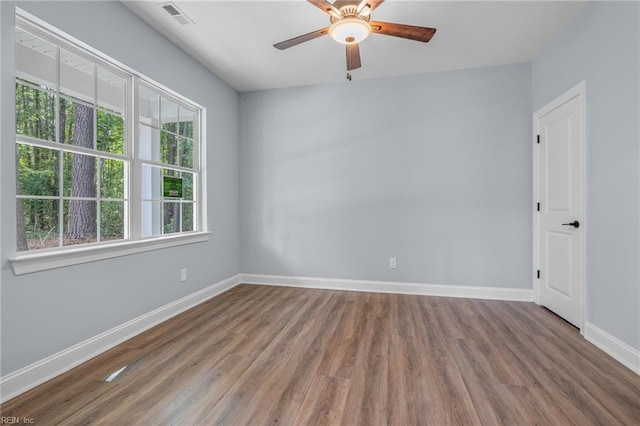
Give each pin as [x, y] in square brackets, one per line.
[350, 30]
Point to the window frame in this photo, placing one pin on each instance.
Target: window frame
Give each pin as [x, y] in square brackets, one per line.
[67, 148]
[134, 242]
[138, 162]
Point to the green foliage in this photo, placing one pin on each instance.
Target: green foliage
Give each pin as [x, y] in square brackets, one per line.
[37, 182]
[41, 222]
[67, 120]
[110, 137]
[176, 212]
[187, 186]
[111, 178]
[186, 129]
[35, 112]
[37, 171]
[187, 217]
[112, 220]
[39, 168]
[176, 150]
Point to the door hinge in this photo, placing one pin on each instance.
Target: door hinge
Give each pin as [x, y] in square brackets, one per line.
[538, 206]
[538, 275]
[538, 138]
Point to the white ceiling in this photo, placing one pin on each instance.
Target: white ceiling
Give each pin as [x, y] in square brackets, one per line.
[234, 38]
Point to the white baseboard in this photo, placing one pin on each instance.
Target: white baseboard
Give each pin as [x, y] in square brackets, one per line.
[470, 292]
[26, 378]
[620, 351]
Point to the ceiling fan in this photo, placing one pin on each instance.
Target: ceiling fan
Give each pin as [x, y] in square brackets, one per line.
[351, 23]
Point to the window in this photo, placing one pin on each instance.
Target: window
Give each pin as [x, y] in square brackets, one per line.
[102, 154]
[167, 150]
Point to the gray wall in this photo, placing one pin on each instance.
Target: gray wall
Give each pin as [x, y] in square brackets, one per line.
[46, 312]
[433, 169]
[602, 46]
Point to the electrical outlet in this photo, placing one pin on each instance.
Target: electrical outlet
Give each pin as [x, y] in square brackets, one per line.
[183, 274]
[393, 263]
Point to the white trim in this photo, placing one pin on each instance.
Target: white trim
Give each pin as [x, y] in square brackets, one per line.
[536, 213]
[26, 378]
[28, 262]
[202, 164]
[619, 350]
[471, 292]
[579, 90]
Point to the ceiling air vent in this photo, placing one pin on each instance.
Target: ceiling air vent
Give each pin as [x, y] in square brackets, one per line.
[176, 13]
[171, 10]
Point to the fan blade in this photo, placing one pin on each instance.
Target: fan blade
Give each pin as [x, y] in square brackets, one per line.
[353, 57]
[370, 6]
[339, 3]
[327, 8]
[301, 39]
[411, 32]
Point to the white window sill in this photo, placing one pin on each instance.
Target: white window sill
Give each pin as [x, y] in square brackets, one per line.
[28, 262]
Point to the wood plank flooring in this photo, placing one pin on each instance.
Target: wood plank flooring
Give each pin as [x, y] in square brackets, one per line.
[259, 355]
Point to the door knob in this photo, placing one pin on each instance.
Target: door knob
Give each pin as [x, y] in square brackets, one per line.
[575, 224]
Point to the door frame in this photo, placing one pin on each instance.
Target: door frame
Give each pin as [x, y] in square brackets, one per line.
[579, 90]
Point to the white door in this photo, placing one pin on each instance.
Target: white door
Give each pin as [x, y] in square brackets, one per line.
[560, 221]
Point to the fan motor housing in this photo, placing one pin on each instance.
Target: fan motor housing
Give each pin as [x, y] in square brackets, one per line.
[350, 11]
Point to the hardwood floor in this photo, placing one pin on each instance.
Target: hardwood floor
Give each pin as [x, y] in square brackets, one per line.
[275, 355]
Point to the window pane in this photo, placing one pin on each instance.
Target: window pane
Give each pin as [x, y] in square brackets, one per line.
[149, 143]
[171, 216]
[169, 114]
[39, 226]
[76, 123]
[111, 91]
[77, 77]
[112, 178]
[187, 217]
[110, 136]
[186, 152]
[149, 106]
[111, 220]
[186, 122]
[79, 222]
[187, 185]
[169, 148]
[151, 183]
[37, 171]
[79, 175]
[151, 218]
[36, 60]
[35, 113]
